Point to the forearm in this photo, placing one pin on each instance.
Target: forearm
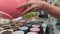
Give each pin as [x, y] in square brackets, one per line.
[52, 10]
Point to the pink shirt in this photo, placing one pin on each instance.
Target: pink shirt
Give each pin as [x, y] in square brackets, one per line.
[8, 8]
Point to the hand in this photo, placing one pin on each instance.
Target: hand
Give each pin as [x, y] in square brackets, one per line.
[34, 4]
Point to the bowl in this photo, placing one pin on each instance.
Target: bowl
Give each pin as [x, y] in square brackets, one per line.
[35, 30]
[32, 33]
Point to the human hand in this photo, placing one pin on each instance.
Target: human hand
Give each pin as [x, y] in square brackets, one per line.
[34, 5]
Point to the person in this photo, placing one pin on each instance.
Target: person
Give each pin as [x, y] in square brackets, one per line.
[42, 14]
[40, 5]
[8, 9]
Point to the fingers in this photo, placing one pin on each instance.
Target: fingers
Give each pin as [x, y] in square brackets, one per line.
[27, 10]
[24, 4]
[35, 9]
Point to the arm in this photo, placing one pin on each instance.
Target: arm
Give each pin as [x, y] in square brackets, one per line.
[53, 10]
